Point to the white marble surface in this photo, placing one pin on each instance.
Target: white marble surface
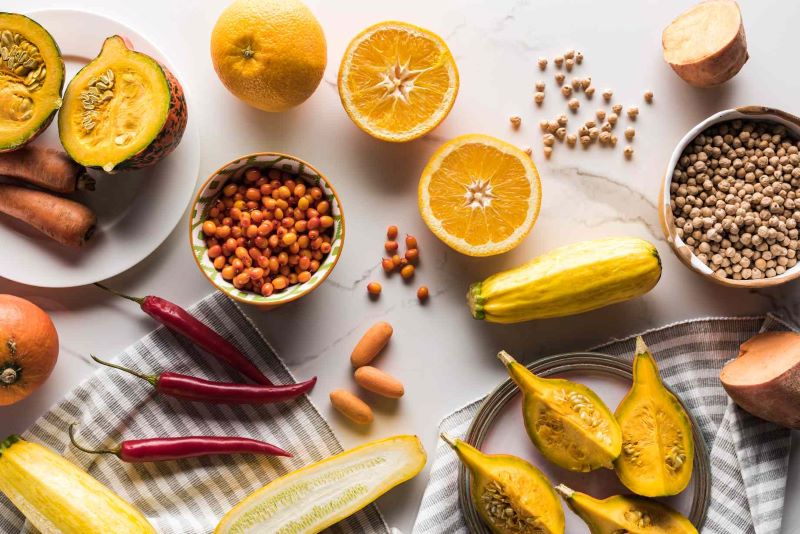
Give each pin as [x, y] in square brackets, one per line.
[444, 357]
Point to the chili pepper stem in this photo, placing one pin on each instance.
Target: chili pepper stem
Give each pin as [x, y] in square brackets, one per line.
[153, 379]
[138, 300]
[115, 451]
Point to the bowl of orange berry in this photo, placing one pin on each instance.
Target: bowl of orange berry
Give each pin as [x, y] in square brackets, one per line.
[266, 229]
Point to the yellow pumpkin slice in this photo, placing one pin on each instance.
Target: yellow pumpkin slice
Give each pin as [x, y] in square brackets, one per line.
[569, 424]
[625, 514]
[31, 79]
[657, 443]
[397, 81]
[480, 195]
[511, 495]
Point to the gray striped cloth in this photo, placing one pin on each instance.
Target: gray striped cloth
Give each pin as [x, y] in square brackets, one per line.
[749, 457]
[187, 496]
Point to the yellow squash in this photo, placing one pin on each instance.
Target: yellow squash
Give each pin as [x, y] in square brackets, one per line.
[568, 280]
[657, 443]
[58, 497]
[318, 495]
[625, 514]
[567, 421]
[511, 495]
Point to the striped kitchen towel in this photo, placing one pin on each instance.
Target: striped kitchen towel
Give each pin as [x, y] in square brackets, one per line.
[187, 496]
[749, 457]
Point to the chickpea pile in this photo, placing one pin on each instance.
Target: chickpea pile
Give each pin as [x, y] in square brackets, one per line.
[734, 198]
[268, 230]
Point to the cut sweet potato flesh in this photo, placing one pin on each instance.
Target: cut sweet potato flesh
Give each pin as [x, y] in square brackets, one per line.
[701, 32]
[763, 358]
[114, 107]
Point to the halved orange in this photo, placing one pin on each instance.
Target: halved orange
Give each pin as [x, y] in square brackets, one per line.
[397, 81]
[480, 195]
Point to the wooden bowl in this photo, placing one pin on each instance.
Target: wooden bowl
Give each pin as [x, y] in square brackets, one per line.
[681, 249]
[213, 187]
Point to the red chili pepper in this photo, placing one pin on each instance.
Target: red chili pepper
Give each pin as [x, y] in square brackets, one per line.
[182, 322]
[164, 449]
[202, 390]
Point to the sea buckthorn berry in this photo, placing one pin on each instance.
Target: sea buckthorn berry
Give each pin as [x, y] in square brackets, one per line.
[303, 277]
[396, 260]
[326, 221]
[423, 293]
[411, 242]
[252, 174]
[390, 246]
[323, 207]
[209, 228]
[387, 265]
[219, 262]
[407, 271]
[374, 288]
[214, 251]
[412, 255]
[391, 232]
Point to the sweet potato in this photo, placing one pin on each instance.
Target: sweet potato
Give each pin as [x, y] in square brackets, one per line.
[61, 219]
[706, 45]
[765, 379]
[47, 168]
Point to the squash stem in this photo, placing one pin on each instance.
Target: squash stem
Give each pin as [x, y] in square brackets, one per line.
[448, 439]
[153, 379]
[564, 491]
[114, 451]
[505, 357]
[138, 300]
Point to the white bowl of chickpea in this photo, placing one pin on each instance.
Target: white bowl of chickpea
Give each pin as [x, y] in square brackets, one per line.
[730, 199]
[266, 229]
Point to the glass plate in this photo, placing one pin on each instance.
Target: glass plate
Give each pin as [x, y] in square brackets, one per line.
[609, 377]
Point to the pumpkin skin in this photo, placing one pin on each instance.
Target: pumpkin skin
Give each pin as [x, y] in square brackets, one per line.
[29, 95]
[140, 116]
[28, 348]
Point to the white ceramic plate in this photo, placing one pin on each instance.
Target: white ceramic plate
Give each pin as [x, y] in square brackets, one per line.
[136, 210]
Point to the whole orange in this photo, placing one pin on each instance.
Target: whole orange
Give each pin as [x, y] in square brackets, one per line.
[28, 348]
[269, 53]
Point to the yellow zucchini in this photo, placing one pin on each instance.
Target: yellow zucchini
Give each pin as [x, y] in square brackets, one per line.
[568, 280]
[58, 497]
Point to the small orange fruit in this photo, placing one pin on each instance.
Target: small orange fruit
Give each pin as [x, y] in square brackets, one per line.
[480, 195]
[397, 81]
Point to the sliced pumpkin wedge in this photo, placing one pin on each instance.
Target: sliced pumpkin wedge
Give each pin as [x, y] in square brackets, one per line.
[31, 80]
[123, 110]
[315, 497]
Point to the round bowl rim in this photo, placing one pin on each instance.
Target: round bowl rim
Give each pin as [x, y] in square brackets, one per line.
[311, 286]
[666, 219]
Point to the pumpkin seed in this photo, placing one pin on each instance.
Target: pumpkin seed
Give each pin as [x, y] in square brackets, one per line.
[21, 59]
[502, 513]
[97, 92]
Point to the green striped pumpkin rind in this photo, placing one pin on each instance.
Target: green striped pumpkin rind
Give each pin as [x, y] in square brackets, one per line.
[200, 210]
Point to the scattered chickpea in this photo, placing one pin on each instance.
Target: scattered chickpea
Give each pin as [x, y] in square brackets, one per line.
[576, 84]
[586, 82]
[561, 133]
[538, 97]
[629, 133]
[391, 232]
[374, 288]
[569, 54]
[559, 78]
[568, 64]
[605, 138]
[589, 92]
[552, 126]
[617, 108]
[543, 125]
[594, 133]
[633, 111]
[542, 63]
[600, 114]
[607, 95]
[572, 139]
[590, 123]
[566, 90]
[562, 120]
[574, 104]
[607, 127]
[411, 242]
[549, 139]
[390, 246]
[407, 271]
[515, 120]
[613, 140]
[578, 58]
[648, 96]
[548, 152]
[559, 61]
[628, 151]
[586, 140]
[612, 119]
[540, 86]
[423, 293]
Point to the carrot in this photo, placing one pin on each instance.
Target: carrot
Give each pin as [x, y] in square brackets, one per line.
[61, 219]
[47, 168]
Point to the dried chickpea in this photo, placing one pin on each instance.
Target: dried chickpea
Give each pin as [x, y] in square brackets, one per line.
[540, 86]
[538, 97]
[574, 104]
[628, 151]
[515, 121]
[542, 63]
[648, 96]
[629, 133]
[559, 78]
[589, 92]
[566, 90]
[617, 108]
[633, 111]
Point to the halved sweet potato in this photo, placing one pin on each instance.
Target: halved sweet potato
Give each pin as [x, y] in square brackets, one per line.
[706, 45]
[765, 379]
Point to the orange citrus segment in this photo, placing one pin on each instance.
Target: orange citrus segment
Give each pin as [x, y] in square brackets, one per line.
[480, 195]
[397, 81]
